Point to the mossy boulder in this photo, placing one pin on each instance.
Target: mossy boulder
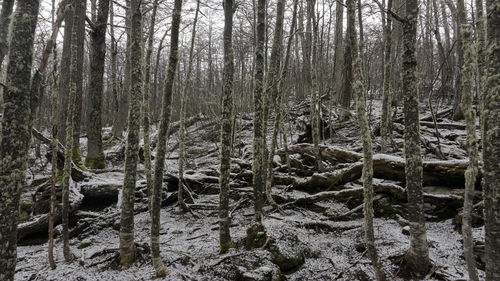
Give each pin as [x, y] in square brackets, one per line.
[256, 236]
[287, 251]
[84, 243]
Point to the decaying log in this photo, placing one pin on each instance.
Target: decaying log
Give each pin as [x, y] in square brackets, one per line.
[40, 223]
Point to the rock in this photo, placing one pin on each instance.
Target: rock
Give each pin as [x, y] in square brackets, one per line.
[84, 243]
[287, 251]
[256, 236]
[406, 230]
[268, 272]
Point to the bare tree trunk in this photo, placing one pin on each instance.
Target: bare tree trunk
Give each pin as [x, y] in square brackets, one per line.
[467, 94]
[259, 138]
[15, 133]
[79, 23]
[225, 241]
[345, 100]
[127, 246]
[461, 19]
[417, 257]
[68, 144]
[386, 118]
[95, 155]
[182, 113]
[338, 66]
[162, 139]
[491, 143]
[146, 112]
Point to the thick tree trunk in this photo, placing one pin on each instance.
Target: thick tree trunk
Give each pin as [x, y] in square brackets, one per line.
[15, 131]
[472, 170]
[226, 129]
[162, 139]
[127, 246]
[417, 257]
[491, 143]
[79, 22]
[95, 154]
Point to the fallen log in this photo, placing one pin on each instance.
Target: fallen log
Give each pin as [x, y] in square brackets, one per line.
[40, 223]
[441, 173]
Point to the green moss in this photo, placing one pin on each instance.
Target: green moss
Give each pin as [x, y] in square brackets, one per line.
[77, 158]
[97, 162]
[84, 244]
[107, 137]
[225, 246]
[256, 236]
[59, 176]
[24, 209]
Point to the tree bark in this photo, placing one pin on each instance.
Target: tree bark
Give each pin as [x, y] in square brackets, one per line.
[417, 257]
[345, 100]
[15, 131]
[162, 139]
[258, 119]
[468, 69]
[127, 246]
[68, 144]
[226, 130]
[338, 66]
[95, 154]
[461, 19]
[7, 7]
[360, 96]
[386, 118]
[491, 143]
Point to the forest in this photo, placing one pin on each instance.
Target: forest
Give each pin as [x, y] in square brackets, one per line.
[250, 140]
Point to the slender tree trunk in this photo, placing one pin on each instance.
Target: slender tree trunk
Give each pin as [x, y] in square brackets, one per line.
[360, 96]
[491, 143]
[114, 67]
[481, 57]
[272, 95]
[227, 109]
[127, 246]
[162, 139]
[68, 144]
[258, 119]
[95, 155]
[182, 125]
[417, 257]
[315, 103]
[65, 77]
[15, 131]
[146, 112]
[472, 169]
[386, 118]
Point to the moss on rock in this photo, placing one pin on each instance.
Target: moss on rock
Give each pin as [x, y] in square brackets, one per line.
[97, 162]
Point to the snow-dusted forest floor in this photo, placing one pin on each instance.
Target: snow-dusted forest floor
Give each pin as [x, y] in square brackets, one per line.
[319, 236]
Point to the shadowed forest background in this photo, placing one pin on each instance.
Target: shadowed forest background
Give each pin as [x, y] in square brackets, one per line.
[250, 140]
